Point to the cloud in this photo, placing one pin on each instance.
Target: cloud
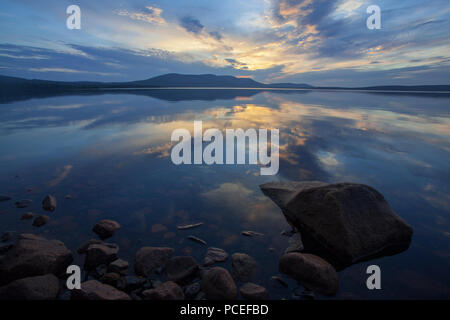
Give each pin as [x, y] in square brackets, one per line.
[191, 24]
[150, 15]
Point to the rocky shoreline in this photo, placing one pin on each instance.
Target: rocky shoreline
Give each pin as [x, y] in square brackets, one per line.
[351, 221]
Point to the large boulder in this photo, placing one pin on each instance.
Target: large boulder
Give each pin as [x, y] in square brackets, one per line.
[149, 259]
[33, 255]
[352, 222]
[217, 284]
[44, 287]
[311, 271]
[166, 291]
[95, 290]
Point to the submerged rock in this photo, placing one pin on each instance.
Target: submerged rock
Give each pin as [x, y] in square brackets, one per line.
[243, 267]
[352, 222]
[106, 228]
[166, 291]
[95, 290]
[85, 246]
[251, 291]
[41, 220]
[44, 287]
[27, 216]
[98, 254]
[7, 236]
[214, 255]
[181, 269]
[311, 271]
[295, 243]
[4, 198]
[148, 259]
[196, 239]
[217, 284]
[192, 290]
[49, 203]
[33, 255]
[131, 283]
[23, 203]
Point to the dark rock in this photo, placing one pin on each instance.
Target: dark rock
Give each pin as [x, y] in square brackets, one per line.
[95, 290]
[27, 216]
[148, 259]
[217, 284]
[251, 291]
[23, 203]
[295, 243]
[85, 246]
[303, 294]
[5, 248]
[352, 222]
[44, 287]
[197, 239]
[119, 266]
[181, 269]
[98, 254]
[243, 267]
[214, 255]
[192, 290]
[278, 282]
[311, 271]
[167, 291]
[100, 270]
[33, 255]
[131, 283]
[4, 198]
[110, 278]
[41, 220]
[106, 228]
[49, 203]
[7, 236]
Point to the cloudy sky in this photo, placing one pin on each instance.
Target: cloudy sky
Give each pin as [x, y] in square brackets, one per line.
[308, 41]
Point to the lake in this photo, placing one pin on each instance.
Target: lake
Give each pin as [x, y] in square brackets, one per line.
[111, 153]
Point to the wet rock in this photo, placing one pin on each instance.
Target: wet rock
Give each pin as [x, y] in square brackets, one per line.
[251, 233]
[181, 269]
[156, 228]
[49, 203]
[243, 267]
[311, 271]
[196, 239]
[189, 226]
[100, 270]
[295, 243]
[300, 294]
[4, 198]
[41, 220]
[192, 290]
[251, 291]
[23, 203]
[217, 284]
[106, 228]
[44, 287]
[95, 290]
[7, 236]
[278, 282]
[353, 222]
[110, 278]
[85, 246]
[167, 291]
[214, 255]
[98, 254]
[148, 259]
[119, 266]
[27, 216]
[5, 248]
[131, 283]
[33, 255]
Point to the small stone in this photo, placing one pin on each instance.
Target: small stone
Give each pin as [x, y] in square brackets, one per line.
[85, 246]
[41, 220]
[251, 291]
[131, 283]
[106, 228]
[68, 197]
[278, 281]
[98, 254]
[101, 270]
[119, 266]
[167, 291]
[159, 228]
[95, 290]
[148, 259]
[110, 278]
[311, 271]
[217, 284]
[23, 203]
[243, 267]
[44, 287]
[27, 216]
[49, 203]
[181, 269]
[192, 290]
[214, 255]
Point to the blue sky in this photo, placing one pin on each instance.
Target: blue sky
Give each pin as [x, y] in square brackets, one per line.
[308, 41]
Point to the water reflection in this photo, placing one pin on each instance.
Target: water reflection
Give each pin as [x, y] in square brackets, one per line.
[111, 153]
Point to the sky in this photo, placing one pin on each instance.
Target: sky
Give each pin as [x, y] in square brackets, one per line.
[322, 43]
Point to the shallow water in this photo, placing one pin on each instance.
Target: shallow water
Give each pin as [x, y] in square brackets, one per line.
[111, 152]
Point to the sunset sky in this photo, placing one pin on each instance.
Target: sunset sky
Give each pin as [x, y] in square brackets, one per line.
[316, 42]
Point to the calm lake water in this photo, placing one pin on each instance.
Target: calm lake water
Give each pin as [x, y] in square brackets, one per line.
[111, 152]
